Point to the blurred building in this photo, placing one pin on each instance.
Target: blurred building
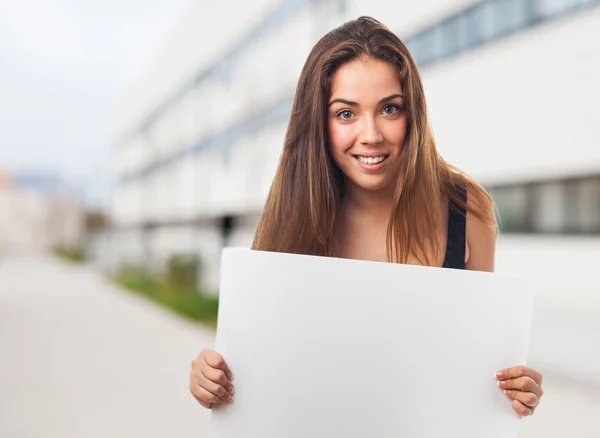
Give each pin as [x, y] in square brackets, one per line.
[35, 214]
[511, 85]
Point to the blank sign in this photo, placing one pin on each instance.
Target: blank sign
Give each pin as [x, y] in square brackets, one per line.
[328, 347]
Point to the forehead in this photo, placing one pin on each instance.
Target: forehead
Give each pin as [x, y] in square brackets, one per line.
[362, 78]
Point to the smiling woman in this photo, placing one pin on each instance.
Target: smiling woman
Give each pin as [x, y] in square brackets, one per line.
[360, 177]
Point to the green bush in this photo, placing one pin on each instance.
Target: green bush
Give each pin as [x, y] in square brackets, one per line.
[72, 254]
[175, 290]
[136, 278]
[182, 271]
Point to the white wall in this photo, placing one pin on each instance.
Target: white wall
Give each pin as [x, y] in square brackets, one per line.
[205, 30]
[524, 107]
[566, 330]
[33, 220]
[210, 183]
[23, 218]
[406, 17]
[563, 266]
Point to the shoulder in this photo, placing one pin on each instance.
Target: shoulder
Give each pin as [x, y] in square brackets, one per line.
[480, 229]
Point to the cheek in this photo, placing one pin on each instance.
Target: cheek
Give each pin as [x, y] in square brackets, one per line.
[395, 133]
[341, 138]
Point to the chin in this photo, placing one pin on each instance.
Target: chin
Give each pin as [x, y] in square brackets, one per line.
[371, 185]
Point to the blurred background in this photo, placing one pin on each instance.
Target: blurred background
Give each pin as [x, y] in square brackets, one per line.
[137, 139]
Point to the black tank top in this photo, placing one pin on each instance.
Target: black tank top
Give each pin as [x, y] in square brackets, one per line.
[457, 233]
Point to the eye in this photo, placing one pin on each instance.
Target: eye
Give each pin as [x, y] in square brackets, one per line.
[391, 109]
[344, 115]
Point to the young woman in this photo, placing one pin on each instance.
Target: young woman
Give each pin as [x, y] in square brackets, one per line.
[360, 178]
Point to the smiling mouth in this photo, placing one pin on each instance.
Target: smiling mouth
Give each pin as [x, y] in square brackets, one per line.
[371, 160]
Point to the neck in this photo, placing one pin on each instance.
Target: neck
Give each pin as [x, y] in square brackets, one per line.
[368, 205]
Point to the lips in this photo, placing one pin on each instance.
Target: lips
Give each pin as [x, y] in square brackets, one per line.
[371, 159]
[371, 163]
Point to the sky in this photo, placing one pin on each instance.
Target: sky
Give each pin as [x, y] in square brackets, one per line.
[65, 67]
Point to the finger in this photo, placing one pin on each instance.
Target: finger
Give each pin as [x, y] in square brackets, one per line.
[215, 360]
[519, 371]
[521, 409]
[197, 379]
[215, 389]
[203, 396]
[205, 404]
[217, 376]
[528, 399]
[524, 384]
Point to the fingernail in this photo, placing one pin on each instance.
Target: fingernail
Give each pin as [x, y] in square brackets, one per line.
[507, 392]
[232, 390]
[498, 383]
[231, 377]
[229, 398]
[499, 374]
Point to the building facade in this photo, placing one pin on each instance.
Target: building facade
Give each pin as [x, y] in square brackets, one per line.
[37, 216]
[511, 87]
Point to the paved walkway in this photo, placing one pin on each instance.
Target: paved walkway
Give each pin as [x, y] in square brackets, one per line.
[81, 358]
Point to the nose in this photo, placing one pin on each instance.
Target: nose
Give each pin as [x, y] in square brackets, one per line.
[369, 131]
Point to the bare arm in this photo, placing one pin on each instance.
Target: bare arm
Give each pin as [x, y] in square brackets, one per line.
[481, 244]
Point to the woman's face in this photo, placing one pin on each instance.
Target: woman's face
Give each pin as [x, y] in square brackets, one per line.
[367, 123]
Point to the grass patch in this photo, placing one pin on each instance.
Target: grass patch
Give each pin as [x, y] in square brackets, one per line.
[182, 298]
[73, 255]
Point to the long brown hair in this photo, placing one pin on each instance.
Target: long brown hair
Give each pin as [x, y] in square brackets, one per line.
[303, 206]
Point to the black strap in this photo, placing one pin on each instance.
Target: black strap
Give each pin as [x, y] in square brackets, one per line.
[457, 233]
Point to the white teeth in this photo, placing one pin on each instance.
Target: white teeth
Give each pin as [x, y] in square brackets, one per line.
[371, 160]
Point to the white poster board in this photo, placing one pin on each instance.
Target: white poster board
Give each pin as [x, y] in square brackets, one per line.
[325, 347]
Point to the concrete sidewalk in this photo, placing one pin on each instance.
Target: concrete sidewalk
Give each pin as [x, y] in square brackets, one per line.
[81, 358]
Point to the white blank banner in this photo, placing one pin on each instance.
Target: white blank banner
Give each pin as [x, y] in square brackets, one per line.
[325, 347]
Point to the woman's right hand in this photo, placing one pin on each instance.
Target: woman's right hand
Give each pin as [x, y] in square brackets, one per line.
[210, 379]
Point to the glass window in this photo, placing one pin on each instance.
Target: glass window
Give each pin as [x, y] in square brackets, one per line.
[587, 206]
[510, 15]
[453, 36]
[565, 206]
[512, 205]
[571, 206]
[550, 8]
[479, 24]
[227, 226]
[413, 48]
[549, 214]
[438, 43]
[427, 46]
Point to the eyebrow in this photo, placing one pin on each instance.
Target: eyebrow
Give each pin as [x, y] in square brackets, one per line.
[350, 103]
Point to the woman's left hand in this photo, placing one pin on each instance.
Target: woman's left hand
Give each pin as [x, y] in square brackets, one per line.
[523, 385]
